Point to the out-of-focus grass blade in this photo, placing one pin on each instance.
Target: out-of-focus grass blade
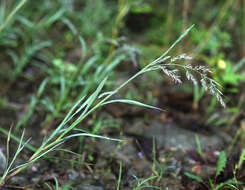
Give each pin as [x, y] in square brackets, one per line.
[173, 45]
[89, 64]
[32, 106]
[26, 22]
[49, 20]
[70, 25]
[112, 65]
[239, 65]
[84, 47]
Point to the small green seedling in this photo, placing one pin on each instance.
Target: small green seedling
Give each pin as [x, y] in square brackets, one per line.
[220, 166]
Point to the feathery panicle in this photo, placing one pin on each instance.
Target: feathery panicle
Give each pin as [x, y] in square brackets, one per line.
[206, 82]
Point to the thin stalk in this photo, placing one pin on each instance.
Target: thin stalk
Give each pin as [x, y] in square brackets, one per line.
[120, 176]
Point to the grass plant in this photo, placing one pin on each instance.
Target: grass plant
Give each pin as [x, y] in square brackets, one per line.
[88, 104]
[63, 93]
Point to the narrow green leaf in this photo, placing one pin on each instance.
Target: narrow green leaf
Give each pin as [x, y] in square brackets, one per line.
[133, 102]
[148, 179]
[51, 19]
[91, 135]
[84, 47]
[89, 64]
[192, 176]
[42, 87]
[48, 186]
[119, 177]
[106, 93]
[211, 184]
[241, 159]
[56, 183]
[220, 185]
[147, 186]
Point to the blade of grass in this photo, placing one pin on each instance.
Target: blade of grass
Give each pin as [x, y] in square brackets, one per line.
[132, 102]
[91, 135]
